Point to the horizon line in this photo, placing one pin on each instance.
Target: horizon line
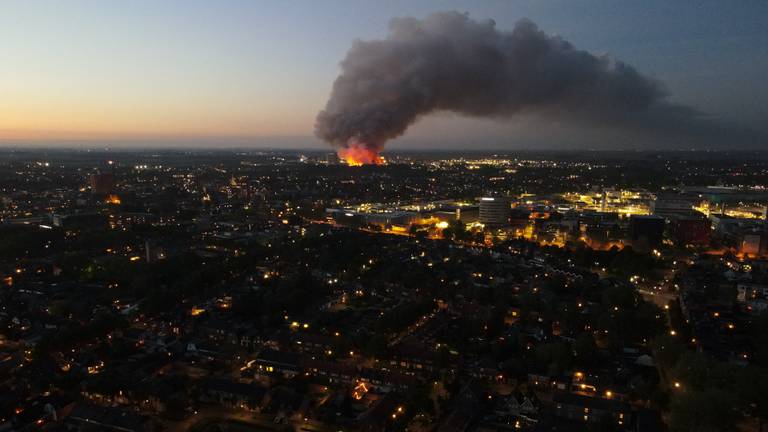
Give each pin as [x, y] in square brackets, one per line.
[316, 149]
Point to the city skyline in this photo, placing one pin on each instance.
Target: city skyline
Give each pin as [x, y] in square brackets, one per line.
[241, 74]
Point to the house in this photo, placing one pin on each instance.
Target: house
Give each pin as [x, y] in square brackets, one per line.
[232, 394]
[411, 355]
[334, 372]
[38, 411]
[464, 409]
[548, 383]
[215, 330]
[285, 404]
[205, 349]
[522, 404]
[312, 342]
[386, 381]
[485, 369]
[591, 410]
[520, 408]
[271, 361]
[86, 416]
[378, 417]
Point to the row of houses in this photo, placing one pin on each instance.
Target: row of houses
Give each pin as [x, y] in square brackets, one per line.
[273, 362]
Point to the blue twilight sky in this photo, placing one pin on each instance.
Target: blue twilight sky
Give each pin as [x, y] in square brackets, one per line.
[258, 71]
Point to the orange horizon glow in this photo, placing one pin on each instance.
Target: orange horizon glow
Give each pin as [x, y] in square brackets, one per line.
[35, 136]
[110, 114]
[136, 129]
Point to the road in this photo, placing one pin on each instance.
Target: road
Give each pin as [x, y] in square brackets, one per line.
[256, 421]
[660, 298]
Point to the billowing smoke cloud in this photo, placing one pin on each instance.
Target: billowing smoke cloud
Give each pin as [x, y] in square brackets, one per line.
[449, 62]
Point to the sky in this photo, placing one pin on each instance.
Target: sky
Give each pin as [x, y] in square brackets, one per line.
[247, 72]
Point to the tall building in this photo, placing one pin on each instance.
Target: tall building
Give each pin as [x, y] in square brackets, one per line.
[694, 229]
[494, 211]
[765, 218]
[669, 205]
[750, 244]
[102, 183]
[604, 201]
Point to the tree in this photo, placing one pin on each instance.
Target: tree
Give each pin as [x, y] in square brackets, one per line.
[708, 410]
[585, 349]
[377, 346]
[666, 352]
[752, 383]
[456, 230]
[419, 400]
[557, 356]
[703, 372]
[759, 335]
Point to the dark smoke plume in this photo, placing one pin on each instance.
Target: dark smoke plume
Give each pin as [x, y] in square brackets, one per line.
[449, 62]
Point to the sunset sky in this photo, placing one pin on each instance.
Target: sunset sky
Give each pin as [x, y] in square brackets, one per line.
[257, 72]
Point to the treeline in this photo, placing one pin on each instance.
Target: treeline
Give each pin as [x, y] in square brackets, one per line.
[705, 393]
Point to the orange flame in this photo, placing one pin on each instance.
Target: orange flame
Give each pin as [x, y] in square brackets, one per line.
[357, 154]
[360, 390]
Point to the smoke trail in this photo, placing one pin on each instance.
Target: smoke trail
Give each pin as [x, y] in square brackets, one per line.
[449, 62]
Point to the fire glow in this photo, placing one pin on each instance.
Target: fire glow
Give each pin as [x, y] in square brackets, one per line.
[360, 390]
[358, 154]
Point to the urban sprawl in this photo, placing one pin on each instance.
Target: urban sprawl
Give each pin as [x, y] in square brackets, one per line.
[278, 290]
